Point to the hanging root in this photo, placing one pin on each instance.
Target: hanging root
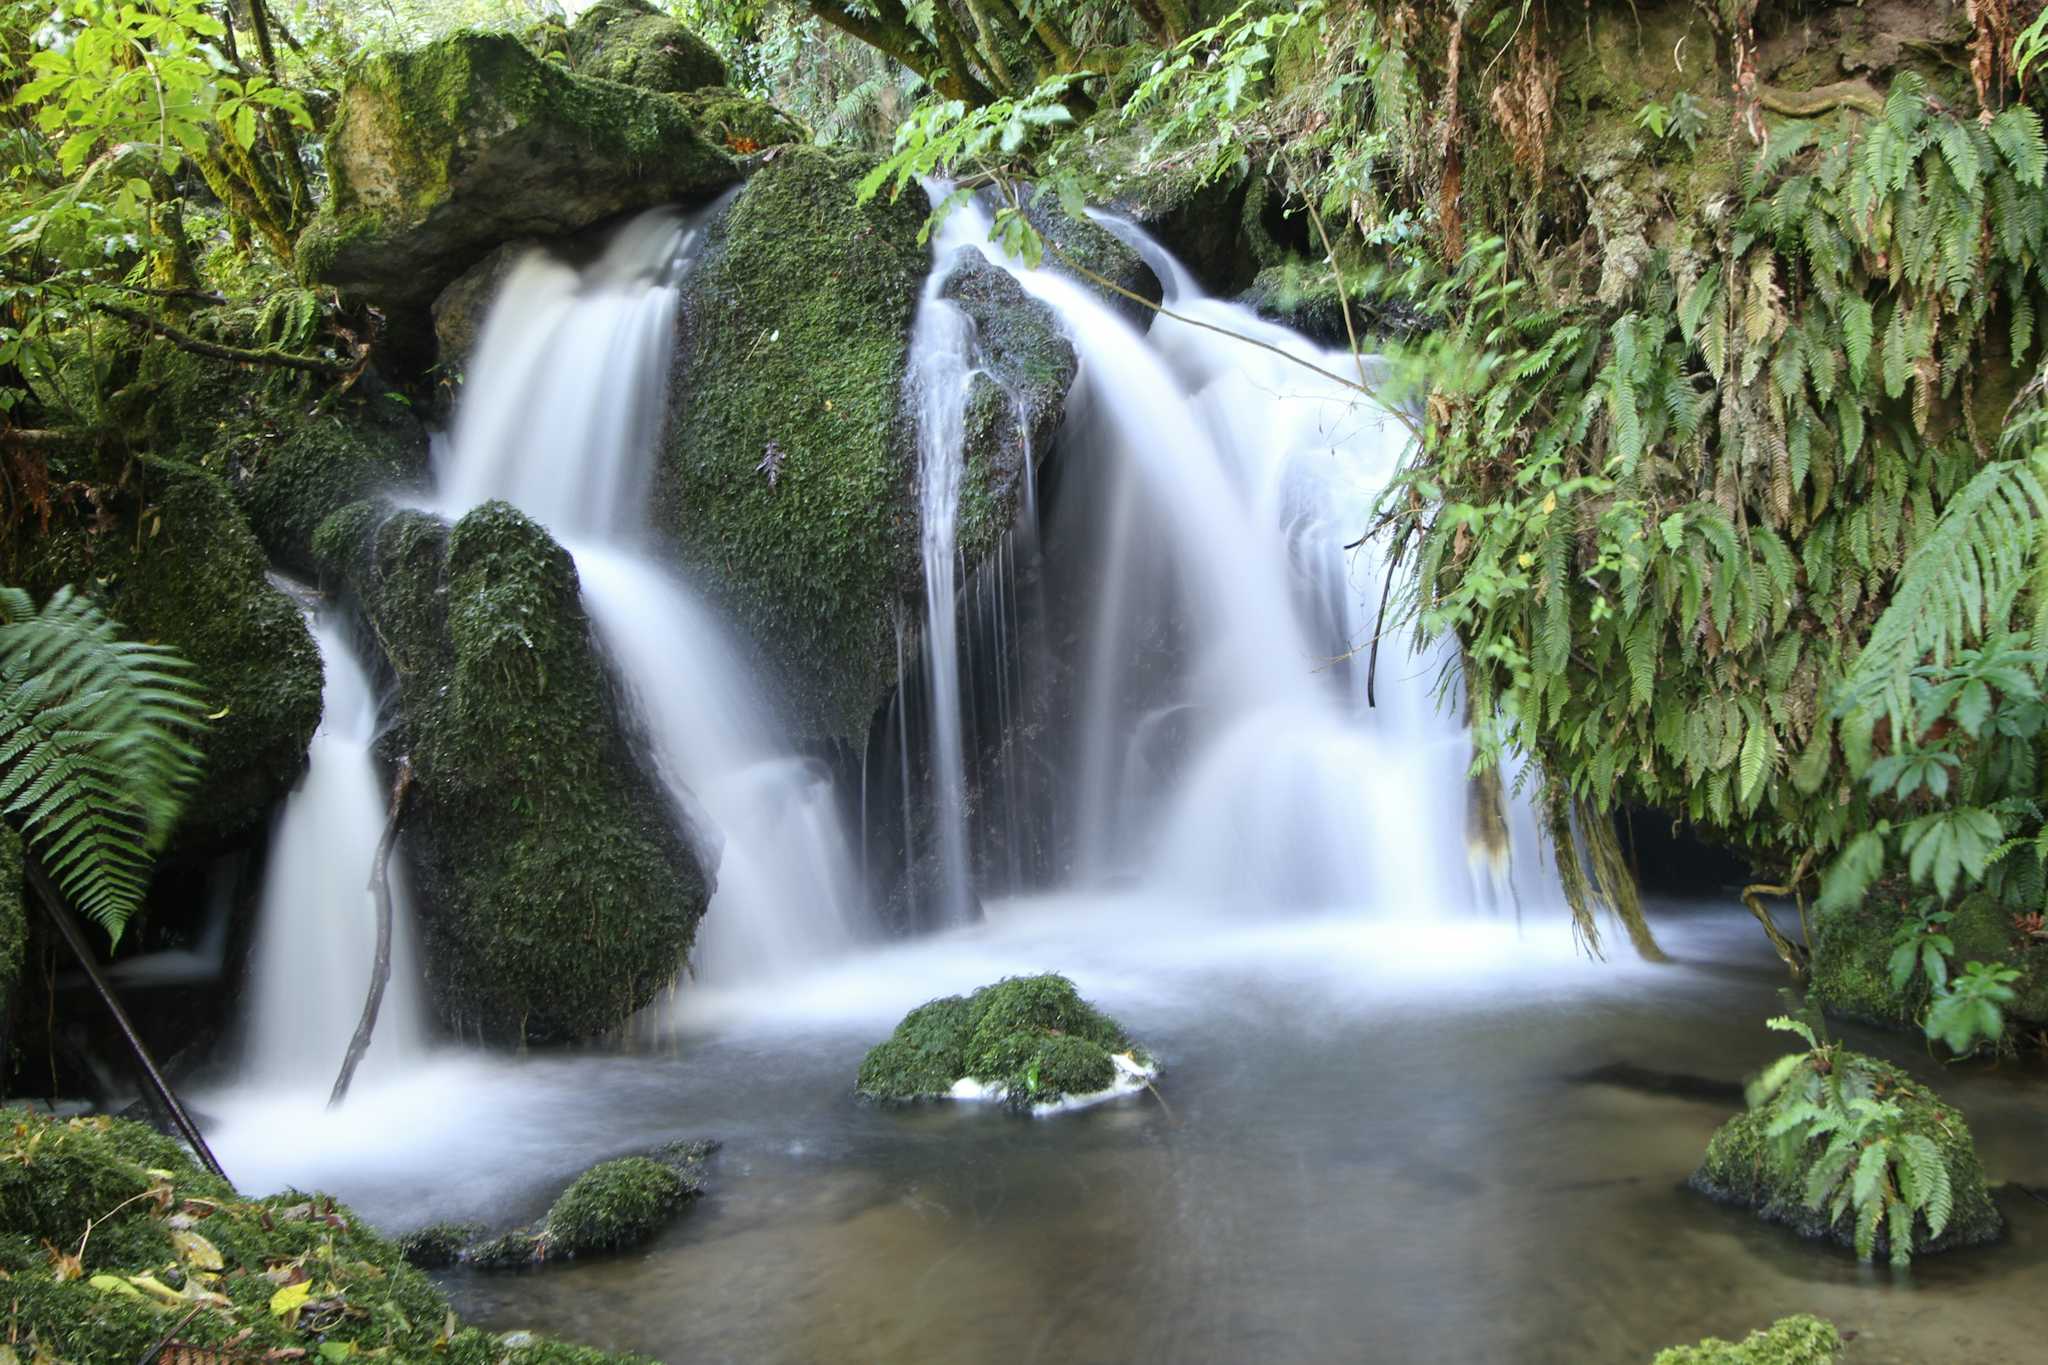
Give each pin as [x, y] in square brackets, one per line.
[1571, 871]
[1616, 883]
[1792, 954]
[1486, 826]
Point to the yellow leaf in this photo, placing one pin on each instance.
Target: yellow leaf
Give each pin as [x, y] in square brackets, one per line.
[114, 1284]
[196, 1250]
[289, 1298]
[220, 714]
[156, 1289]
[1549, 503]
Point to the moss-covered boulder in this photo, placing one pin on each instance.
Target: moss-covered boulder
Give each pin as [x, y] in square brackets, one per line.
[1016, 402]
[1093, 255]
[443, 152]
[171, 558]
[1746, 1166]
[556, 893]
[737, 121]
[633, 43]
[174, 1252]
[1852, 949]
[612, 1205]
[1798, 1340]
[788, 480]
[1029, 1040]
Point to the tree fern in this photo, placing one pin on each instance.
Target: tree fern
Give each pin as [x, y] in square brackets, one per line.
[95, 747]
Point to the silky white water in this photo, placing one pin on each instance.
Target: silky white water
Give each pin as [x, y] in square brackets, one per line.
[561, 416]
[316, 936]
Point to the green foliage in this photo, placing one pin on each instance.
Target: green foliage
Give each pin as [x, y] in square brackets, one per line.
[96, 747]
[1969, 1010]
[1684, 119]
[1797, 1340]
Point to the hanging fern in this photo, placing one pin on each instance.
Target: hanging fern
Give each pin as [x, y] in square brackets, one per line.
[95, 747]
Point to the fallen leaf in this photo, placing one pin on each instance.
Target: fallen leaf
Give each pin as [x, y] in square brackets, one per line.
[196, 1250]
[290, 1298]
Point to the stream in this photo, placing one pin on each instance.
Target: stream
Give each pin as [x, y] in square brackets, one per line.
[1375, 1139]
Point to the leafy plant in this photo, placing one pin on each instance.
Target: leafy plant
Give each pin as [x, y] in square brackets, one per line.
[1685, 118]
[1921, 945]
[1869, 1166]
[95, 747]
[1969, 1010]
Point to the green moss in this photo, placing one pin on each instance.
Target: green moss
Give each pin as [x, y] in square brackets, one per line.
[1798, 1340]
[1743, 1166]
[614, 1204]
[440, 153]
[437, 1244]
[172, 560]
[1850, 974]
[733, 119]
[311, 463]
[797, 334]
[138, 1206]
[633, 43]
[557, 895]
[1034, 1036]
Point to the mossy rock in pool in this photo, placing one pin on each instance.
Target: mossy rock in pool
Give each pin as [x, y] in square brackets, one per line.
[166, 1236]
[556, 891]
[1745, 1166]
[440, 153]
[170, 557]
[633, 43]
[1031, 1040]
[1798, 1340]
[788, 481]
[612, 1205]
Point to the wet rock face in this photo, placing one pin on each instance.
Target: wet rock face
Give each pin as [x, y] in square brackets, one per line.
[440, 154]
[631, 42]
[555, 891]
[1084, 250]
[460, 309]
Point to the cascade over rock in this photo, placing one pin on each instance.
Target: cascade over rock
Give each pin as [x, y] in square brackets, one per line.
[1073, 246]
[444, 152]
[787, 480]
[459, 309]
[633, 43]
[172, 560]
[556, 894]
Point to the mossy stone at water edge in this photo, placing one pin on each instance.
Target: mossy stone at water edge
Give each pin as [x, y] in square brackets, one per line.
[440, 153]
[788, 480]
[1744, 1166]
[171, 558]
[555, 890]
[1798, 1340]
[614, 1204]
[1852, 948]
[1032, 1036]
[166, 1237]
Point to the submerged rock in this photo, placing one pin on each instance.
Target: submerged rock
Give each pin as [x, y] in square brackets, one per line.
[171, 558]
[1031, 1041]
[277, 1277]
[787, 483]
[1745, 1165]
[1798, 1340]
[556, 893]
[441, 153]
[632, 42]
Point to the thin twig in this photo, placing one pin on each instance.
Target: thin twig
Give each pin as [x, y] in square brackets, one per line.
[149, 1356]
[380, 971]
[241, 355]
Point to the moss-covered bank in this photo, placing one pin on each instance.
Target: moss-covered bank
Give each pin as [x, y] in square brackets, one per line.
[1743, 1165]
[1798, 1340]
[788, 479]
[441, 153]
[1032, 1038]
[556, 893]
[169, 555]
[111, 1239]
[1852, 948]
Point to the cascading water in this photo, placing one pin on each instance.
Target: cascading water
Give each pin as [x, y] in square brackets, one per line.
[316, 936]
[561, 416]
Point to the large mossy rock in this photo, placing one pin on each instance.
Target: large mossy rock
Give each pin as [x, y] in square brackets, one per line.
[1017, 400]
[1798, 1340]
[1745, 1166]
[788, 480]
[1852, 948]
[1029, 1039]
[163, 1232]
[439, 154]
[633, 43]
[171, 558]
[555, 891]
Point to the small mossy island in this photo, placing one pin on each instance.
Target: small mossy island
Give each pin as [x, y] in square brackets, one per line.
[1798, 1340]
[1030, 1041]
[114, 1246]
[1852, 1150]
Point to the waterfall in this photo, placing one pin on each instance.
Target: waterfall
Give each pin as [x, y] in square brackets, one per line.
[561, 416]
[316, 934]
[1221, 742]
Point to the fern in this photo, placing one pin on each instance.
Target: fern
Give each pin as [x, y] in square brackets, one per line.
[95, 747]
